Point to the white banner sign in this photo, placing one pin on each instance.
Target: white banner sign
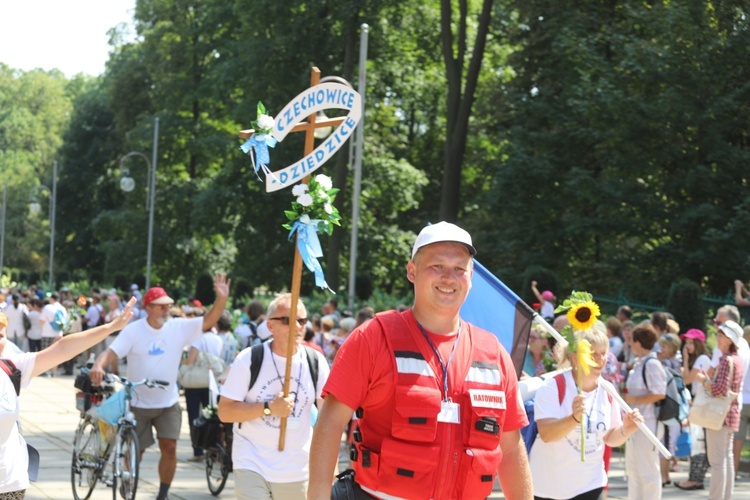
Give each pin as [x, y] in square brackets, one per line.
[318, 98]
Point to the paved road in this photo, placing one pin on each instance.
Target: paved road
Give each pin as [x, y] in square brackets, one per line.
[49, 419]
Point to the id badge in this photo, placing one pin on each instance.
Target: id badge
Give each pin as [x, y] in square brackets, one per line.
[292, 423]
[450, 412]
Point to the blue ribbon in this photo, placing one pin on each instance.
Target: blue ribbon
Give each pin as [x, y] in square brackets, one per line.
[309, 248]
[257, 147]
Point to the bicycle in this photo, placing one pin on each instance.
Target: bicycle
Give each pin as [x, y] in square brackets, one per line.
[91, 456]
[219, 459]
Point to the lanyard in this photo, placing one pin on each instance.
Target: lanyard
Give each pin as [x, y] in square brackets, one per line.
[281, 380]
[440, 360]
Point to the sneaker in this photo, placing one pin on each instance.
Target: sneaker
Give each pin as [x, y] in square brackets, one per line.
[196, 458]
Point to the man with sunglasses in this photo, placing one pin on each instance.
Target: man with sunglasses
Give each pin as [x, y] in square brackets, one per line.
[153, 346]
[256, 408]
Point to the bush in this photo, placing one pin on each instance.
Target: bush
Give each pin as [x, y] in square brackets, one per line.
[363, 286]
[685, 302]
[242, 288]
[121, 282]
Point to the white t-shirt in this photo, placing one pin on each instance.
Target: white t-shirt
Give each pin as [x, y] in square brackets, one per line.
[156, 354]
[14, 458]
[554, 464]
[615, 345]
[209, 342]
[15, 319]
[229, 347]
[92, 316]
[547, 310]
[48, 316]
[35, 332]
[256, 443]
[657, 384]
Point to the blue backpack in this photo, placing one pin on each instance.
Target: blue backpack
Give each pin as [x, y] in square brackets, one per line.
[530, 432]
[60, 322]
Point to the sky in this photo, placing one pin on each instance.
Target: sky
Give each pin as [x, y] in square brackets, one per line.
[70, 35]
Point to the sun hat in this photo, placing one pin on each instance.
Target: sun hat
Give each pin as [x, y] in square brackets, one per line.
[732, 330]
[442, 232]
[156, 295]
[547, 295]
[695, 334]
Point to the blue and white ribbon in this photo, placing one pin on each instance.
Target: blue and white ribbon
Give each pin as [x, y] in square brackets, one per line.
[309, 248]
[257, 147]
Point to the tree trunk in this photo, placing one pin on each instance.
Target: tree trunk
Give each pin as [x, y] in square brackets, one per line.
[460, 97]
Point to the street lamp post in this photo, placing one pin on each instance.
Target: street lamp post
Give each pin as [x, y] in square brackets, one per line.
[127, 184]
[35, 208]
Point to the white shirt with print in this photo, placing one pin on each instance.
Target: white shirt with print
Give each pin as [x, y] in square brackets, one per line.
[14, 459]
[156, 354]
[256, 442]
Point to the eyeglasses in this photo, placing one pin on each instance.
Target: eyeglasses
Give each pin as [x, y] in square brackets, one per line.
[285, 320]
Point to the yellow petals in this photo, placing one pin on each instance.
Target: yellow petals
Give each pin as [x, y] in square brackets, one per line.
[583, 316]
[585, 356]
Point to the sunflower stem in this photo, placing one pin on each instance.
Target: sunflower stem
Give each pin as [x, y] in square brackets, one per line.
[583, 435]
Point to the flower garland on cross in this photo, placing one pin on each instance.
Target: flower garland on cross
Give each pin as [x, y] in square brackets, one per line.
[582, 313]
[257, 145]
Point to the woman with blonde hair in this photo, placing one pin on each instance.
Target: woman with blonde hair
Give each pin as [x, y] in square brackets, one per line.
[560, 409]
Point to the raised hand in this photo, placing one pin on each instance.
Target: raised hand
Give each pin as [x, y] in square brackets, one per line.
[221, 285]
[121, 320]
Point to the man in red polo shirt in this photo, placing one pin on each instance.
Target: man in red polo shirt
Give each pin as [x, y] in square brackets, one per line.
[437, 398]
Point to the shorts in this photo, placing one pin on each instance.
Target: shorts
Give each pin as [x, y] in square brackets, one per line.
[48, 341]
[249, 485]
[741, 434]
[166, 421]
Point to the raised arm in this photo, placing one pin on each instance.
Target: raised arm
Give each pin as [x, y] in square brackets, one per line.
[221, 285]
[536, 292]
[74, 344]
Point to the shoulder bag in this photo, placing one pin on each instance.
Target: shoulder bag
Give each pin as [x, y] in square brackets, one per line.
[711, 411]
[195, 376]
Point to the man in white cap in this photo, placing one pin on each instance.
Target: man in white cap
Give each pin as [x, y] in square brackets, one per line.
[440, 426]
[153, 346]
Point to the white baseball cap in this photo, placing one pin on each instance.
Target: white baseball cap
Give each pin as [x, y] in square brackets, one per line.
[442, 232]
[732, 330]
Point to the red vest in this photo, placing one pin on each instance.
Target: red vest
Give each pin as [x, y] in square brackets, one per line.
[420, 458]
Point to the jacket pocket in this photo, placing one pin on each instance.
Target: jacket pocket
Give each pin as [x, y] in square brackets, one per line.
[477, 472]
[415, 413]
[407, 470]
[485, 423]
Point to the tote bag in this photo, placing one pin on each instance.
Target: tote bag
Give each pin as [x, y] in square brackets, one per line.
[711, 411]
[195, 376]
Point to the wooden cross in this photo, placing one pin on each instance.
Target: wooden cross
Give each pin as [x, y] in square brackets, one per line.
[309, 128]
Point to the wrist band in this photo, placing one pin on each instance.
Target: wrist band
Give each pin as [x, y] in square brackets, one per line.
[574, 419]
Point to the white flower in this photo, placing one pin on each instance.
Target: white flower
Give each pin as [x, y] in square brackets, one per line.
[324, 181]
[322, 194]
[328, 208]
[299, 189]
[304, 219]
[265, 122]
[305, 200]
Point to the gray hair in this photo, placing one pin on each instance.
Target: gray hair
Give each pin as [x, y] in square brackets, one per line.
[733, 314]
[284, 298]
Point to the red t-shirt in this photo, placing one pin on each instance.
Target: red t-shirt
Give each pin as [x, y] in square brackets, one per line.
[363, 375]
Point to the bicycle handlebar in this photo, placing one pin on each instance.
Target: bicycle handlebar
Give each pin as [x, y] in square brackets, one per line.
[111, 378]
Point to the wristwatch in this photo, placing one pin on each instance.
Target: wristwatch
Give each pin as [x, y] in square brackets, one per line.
[266, 409]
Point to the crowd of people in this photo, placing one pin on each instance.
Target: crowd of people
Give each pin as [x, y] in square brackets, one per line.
[430, 403]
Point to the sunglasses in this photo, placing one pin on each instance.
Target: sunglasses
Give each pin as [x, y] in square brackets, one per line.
[285, 320]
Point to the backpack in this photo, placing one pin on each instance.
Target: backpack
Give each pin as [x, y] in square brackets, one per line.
[26, 322]
[256, 360]
[13, 373]
[60, 323]
[676, 404]
[530, 432]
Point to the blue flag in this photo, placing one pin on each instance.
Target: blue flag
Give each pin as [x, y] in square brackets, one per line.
[494, 307]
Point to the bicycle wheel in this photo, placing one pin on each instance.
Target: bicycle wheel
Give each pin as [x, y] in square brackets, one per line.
[84, 469]
[125, 465]
[216, 470]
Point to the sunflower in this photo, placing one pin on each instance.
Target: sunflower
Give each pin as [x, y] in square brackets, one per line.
[583, 316]
[585, 356]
